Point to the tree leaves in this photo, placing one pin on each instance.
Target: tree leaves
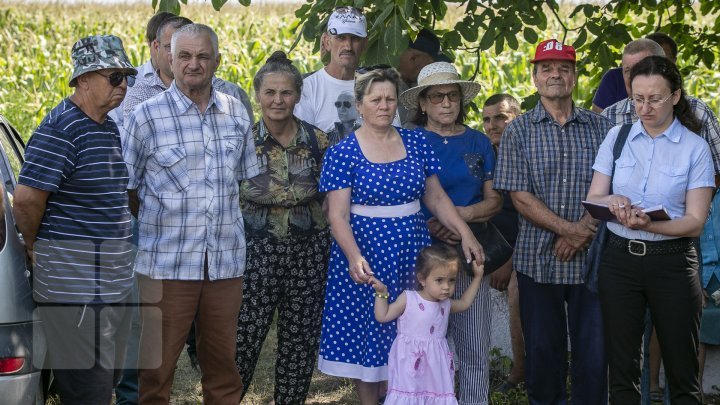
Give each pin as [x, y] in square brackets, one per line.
[597, 30]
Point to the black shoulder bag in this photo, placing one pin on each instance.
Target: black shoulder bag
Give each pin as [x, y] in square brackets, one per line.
[597, 246]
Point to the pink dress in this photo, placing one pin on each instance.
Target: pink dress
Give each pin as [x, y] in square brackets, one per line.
[421, 369]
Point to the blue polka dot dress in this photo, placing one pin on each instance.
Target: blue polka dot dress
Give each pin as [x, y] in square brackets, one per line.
[353, 344]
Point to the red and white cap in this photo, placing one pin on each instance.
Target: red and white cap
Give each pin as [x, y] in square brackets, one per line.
[552, 49]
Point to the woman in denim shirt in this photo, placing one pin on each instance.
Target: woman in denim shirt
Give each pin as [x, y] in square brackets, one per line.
[710, 248]
[647, 262]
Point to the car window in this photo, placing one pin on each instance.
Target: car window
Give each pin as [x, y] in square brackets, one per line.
[3, 226]
[11, 155]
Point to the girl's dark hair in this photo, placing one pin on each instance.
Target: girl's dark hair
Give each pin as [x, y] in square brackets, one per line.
[421, 118]
[278, 62]
[662, 66]
[433, 256]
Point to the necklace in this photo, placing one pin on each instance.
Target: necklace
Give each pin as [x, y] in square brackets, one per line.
[445, 141]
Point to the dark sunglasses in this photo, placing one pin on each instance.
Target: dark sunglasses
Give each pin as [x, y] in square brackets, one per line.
[116, 78]
[437, 98]
[365, 69]
[345, 104]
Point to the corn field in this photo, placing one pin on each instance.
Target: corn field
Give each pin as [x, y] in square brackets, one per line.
[35, 42]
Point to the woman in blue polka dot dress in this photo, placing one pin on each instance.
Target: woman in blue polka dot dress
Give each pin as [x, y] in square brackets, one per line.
[375, 179]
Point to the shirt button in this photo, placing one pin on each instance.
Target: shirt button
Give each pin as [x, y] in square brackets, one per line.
[562, 206]
[564, 180]
[564, 154]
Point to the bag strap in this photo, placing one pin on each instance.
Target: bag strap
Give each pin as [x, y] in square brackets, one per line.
[618, 147]
[314, 148]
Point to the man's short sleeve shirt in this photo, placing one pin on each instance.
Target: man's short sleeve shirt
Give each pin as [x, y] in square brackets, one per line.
[83, 251]
[554, 163]
[186, 167]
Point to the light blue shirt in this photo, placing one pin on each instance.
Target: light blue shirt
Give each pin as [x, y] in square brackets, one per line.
[656, 171]
[709, 241]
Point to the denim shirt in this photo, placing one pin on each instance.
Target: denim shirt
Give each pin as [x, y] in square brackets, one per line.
[709, 243]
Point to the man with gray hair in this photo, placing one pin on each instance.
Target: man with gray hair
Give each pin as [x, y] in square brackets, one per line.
[623, 112]
[72, 210]
[162, 75]
[187, 149]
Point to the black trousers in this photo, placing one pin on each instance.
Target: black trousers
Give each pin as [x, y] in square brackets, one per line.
[288, 276]
[668, 285]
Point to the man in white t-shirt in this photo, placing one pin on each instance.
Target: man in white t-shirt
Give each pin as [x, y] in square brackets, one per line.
[345, 40]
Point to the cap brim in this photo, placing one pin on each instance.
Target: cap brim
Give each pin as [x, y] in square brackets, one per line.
[359, 34]
[409, 98]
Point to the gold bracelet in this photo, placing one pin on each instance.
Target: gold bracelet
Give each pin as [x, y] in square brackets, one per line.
[383, 296]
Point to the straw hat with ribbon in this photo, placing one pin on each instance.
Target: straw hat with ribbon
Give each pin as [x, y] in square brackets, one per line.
[437, 74]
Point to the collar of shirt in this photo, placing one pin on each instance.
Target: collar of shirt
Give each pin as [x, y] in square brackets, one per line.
[539, 113]
[184, 103]
[155, 80]
[672, 133]
[263, 134]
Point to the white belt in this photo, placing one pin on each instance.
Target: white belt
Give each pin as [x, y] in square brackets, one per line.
[386, 211]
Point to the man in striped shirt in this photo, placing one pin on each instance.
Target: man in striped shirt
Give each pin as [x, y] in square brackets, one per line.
[187, 149]
[71, 207]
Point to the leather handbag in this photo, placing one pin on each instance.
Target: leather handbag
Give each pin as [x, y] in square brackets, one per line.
[597, 246]
[497, 250]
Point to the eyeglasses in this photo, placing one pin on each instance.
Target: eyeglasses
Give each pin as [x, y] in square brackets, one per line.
[365, 69]
[116, 78]
[651, 102]
[437, 98]
[345, 104]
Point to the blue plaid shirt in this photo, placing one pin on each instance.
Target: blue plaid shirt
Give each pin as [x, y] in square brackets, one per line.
[186, 167]
[554, 163]
[623, 112]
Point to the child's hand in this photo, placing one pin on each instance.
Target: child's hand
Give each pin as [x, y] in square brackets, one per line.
[377, 285]
[478, 268]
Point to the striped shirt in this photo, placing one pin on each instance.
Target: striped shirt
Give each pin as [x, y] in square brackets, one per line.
[623, 112]
[83, 249]
[151, 85]
[554, 163]
[186, 167]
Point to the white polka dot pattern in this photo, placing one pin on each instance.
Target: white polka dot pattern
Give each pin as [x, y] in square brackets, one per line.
[350, 335]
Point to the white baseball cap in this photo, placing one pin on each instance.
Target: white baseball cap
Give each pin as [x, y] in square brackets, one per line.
[347, 20]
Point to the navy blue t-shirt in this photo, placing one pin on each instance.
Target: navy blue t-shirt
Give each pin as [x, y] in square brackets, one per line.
[611, 89]
[467, 161]
[83, 250]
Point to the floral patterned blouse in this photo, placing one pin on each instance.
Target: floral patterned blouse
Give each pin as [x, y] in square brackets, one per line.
[283, 200]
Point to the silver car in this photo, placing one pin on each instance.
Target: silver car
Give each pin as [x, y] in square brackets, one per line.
[22, 344]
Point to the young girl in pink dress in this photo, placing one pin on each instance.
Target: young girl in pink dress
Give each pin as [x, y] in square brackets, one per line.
[420, 367]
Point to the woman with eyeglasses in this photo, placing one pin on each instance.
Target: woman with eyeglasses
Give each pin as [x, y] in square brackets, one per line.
[375, 179]
[287, 237]
[650, 262]
[468, 162]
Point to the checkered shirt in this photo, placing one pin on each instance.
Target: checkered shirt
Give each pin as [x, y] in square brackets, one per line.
[554, 163]
[623, 112]
[186, 167]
